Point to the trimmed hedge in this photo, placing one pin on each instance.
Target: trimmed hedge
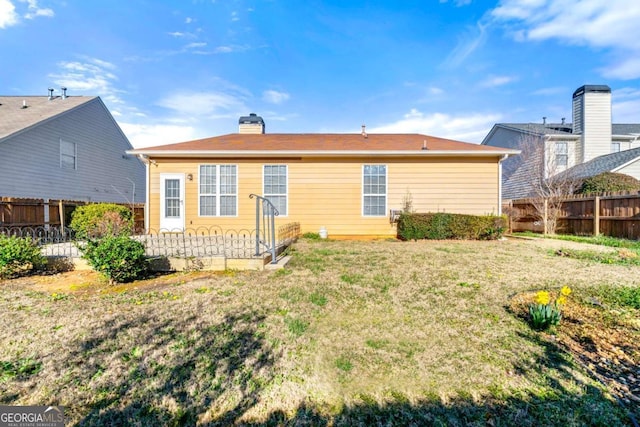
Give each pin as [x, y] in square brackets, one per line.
[438, 226]
[609, 182]
[101, 219]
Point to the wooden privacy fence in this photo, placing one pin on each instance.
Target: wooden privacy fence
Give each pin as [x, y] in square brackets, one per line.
[16, 212]
[615, 215]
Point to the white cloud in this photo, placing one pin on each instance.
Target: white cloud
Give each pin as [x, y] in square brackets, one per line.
[547, 91]
[211, 104]
[188, 20]
[435, 90]
[176, 34]
[8, 15]
[34, 10]
[234, 16]
[625, 69]
[472, 127]
[496, 81]
[92, 76]
[458, 2]
[149, 135]
[274, 97]
[625, 105]
[468, 42]
[195, 45]
[606, 24]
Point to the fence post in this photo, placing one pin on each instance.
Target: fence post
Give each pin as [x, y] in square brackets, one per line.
[545, 216]
[61, 213]
[596, 216]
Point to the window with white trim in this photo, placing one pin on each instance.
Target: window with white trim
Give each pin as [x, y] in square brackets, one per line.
[374, 190]
[68, 155]
[275, 186]
[218, 190]
[615, 147]
[562, 153]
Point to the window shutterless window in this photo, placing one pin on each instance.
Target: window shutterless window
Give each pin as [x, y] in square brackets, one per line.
[275, 186]
[374, 190]
[218, 190]
[615, 147]
[68, 155]
[562, 153]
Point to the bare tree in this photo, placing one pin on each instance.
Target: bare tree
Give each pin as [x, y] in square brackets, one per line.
[542, 170]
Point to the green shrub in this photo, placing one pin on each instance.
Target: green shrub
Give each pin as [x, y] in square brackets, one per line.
[102, 219]
[311, 236]
[450, 226]
[119, 258]
[609, 182]
[18, 255]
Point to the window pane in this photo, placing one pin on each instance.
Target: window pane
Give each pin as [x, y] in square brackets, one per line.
[207, 179]
[218, 190]
[275, 186]
[374, 190]
[279, 202]
[227, 205]
[172, 198]
[207, 205]
[67, 155]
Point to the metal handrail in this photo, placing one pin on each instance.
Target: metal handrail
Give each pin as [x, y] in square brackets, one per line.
[266, 216]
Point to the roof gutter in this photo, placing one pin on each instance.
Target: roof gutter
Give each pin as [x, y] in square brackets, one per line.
[325, 153]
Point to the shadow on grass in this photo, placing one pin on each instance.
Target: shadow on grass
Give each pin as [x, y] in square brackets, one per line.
[190, 366]
[550, 404]
[183, 371]
[231, 361]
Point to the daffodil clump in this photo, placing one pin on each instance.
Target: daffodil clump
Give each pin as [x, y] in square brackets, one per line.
[547, 311]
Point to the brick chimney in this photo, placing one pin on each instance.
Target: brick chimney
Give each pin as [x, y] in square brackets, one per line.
[251, 124]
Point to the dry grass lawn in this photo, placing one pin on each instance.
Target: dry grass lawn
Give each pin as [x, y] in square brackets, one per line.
[350, 333]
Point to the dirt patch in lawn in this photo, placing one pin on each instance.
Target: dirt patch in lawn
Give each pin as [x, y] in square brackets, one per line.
[603, 341]
[88, 282]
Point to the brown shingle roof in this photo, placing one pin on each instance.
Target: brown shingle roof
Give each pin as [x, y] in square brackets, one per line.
[318, 143]
[14, 118]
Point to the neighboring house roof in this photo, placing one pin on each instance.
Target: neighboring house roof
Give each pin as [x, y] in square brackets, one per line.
[625, 129]
[539, 128]
[15, 117]
[607, 163]
[566, 128]
[322, 144]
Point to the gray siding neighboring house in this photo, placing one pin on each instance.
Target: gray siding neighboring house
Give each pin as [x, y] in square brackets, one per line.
[588, 146]
[66, 148]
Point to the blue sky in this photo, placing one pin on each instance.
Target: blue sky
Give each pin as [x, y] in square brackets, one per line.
[171, 71]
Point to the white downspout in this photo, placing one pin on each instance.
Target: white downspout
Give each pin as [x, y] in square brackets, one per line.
[502, 158]
[147, 162]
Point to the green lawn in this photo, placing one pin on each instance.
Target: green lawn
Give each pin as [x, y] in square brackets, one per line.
[350, 333]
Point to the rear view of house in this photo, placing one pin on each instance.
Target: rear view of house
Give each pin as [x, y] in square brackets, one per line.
[345, 183]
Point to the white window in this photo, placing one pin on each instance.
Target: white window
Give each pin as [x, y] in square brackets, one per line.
[615, 147]
[68, 155]
[562, 153]
[275, 186]
[374, 190]
[218, 188]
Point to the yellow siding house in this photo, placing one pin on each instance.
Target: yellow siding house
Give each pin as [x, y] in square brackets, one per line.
[345, 183]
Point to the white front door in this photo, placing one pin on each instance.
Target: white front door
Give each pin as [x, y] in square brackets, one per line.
[172, 201]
